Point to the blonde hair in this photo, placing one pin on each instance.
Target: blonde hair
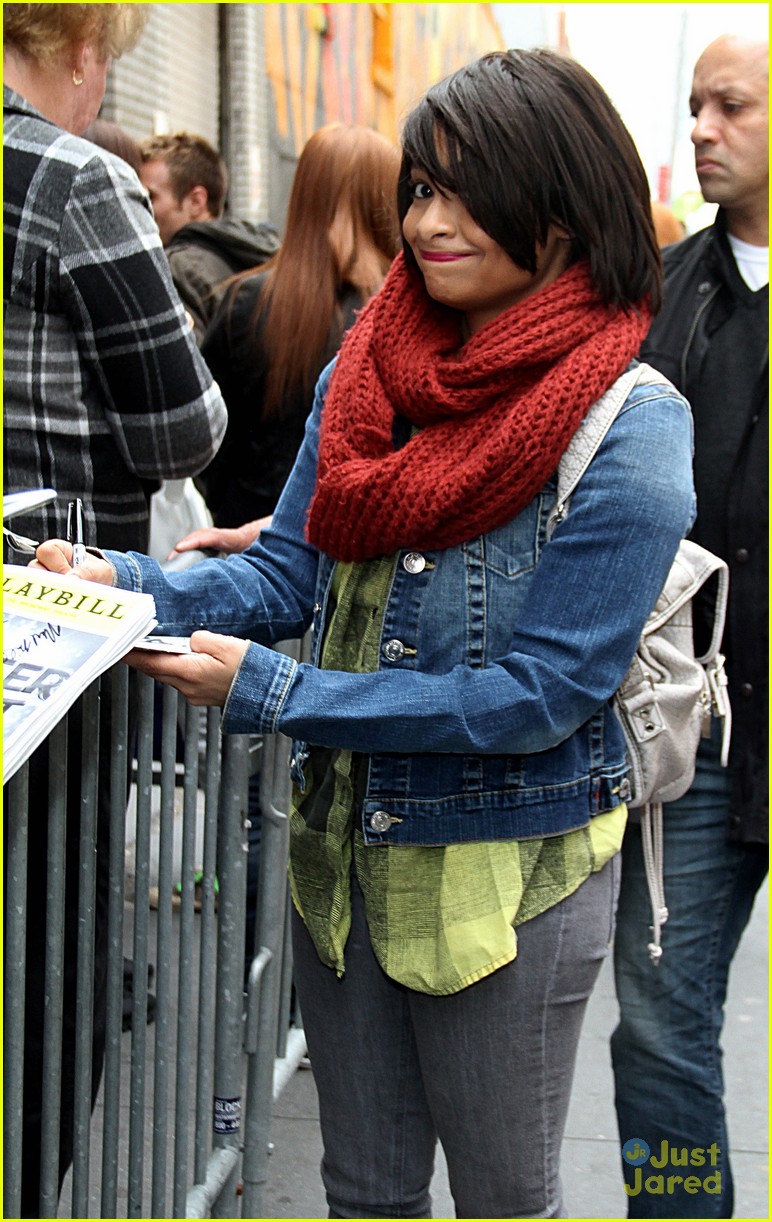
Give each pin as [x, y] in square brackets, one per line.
[45, 33]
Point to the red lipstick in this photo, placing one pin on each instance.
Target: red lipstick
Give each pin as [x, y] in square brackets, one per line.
[441, 256]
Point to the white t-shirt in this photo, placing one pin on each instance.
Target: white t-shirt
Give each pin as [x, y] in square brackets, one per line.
[752, 262]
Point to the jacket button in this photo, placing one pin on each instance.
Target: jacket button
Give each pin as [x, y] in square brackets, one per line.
[746, 689]
[625, 790]
[704, 287]
[742, 555]
[414, 562]
[381, 821]
[393, 651]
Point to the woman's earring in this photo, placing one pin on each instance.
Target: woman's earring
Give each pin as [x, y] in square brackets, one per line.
[77, 77]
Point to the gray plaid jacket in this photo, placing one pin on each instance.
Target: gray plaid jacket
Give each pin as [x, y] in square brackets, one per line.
[105, 390]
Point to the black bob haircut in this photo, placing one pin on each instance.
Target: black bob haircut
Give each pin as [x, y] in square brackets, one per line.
[527, 139]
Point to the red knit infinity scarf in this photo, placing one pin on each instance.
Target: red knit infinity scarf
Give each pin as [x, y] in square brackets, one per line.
[495, 414]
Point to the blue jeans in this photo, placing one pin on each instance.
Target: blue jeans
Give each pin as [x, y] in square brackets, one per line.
[666, 1049]
[488, 1070]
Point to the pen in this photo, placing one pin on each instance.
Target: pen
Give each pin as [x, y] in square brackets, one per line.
[75, 532]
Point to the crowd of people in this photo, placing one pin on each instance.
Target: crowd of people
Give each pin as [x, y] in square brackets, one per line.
[374, 405]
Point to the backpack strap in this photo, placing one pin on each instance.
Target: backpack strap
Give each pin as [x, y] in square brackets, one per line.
[587, 439]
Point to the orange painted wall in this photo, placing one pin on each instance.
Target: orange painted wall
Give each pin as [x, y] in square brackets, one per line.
[364, 63]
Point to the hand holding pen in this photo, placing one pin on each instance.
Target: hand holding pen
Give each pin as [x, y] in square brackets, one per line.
[75, 532]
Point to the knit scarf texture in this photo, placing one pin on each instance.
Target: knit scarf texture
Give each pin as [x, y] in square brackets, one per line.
[494, 414]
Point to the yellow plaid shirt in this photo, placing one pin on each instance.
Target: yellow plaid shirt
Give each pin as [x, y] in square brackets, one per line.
[440, 917]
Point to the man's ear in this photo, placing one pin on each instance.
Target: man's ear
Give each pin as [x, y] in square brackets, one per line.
[197, 203]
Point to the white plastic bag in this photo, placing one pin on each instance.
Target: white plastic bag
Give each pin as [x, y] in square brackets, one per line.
[175, 510]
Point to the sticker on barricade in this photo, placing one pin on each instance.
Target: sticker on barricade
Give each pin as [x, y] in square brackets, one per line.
[227, 1115]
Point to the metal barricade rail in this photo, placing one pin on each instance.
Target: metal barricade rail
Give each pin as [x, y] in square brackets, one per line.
[182, 1121]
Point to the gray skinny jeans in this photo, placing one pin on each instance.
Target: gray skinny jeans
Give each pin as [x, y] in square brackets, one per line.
[488, 1070]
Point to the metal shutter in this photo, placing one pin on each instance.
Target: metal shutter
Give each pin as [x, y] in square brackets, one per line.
[171, 80]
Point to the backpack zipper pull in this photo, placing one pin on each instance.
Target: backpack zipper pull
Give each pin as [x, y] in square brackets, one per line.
[719, 683]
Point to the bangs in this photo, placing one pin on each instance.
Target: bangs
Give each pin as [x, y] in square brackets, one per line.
[429, 146]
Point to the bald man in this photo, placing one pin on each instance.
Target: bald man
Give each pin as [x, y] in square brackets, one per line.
[711, 341]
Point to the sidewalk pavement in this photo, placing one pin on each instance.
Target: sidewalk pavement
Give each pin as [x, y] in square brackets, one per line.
[591, 1174]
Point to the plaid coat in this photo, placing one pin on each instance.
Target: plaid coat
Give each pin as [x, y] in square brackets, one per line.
[105, 391]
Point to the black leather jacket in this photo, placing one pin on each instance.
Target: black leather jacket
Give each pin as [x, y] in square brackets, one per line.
[711, 340]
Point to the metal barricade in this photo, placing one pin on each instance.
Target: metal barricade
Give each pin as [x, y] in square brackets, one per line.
[182, 1119]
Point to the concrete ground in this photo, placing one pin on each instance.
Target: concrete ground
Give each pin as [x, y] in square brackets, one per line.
[591, 1175]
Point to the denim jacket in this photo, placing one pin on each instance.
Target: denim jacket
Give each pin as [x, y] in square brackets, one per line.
[489, 716]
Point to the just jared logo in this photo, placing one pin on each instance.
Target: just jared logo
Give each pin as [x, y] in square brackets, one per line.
[637, 1152]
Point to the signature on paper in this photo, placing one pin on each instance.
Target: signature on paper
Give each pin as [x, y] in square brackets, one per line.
[50, 633]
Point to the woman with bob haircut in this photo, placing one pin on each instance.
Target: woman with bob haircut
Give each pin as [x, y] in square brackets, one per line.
[279, 325]
[460, 776]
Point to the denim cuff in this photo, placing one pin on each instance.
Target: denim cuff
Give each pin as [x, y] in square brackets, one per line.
[258, 691]
[126, 572]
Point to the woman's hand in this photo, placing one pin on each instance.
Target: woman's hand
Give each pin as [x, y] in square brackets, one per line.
[55, 555]
[204, 676]
[228, 539]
